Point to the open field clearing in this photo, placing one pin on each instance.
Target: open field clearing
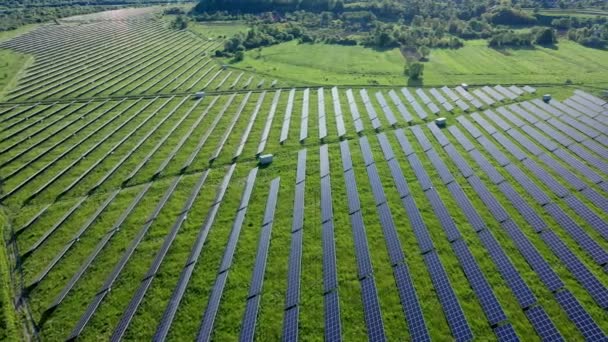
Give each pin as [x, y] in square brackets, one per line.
[316, 64]
[135, 208]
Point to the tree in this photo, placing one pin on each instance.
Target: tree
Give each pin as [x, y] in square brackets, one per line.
[424, 52]
[179, 23]
[239, 56]
[414, 70]
[546, 36]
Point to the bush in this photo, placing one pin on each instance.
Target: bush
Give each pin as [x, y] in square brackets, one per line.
[414, 70]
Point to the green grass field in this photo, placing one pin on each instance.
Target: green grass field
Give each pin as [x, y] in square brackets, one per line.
[326, 64]
[475, 63]
[215, 29]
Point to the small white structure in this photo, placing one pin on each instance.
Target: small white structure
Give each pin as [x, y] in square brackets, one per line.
[440, 122]
[465, 86]
[265, 159]
[547, 98]
[199, 95]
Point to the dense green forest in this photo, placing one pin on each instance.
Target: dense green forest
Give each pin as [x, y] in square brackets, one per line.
[408, 24]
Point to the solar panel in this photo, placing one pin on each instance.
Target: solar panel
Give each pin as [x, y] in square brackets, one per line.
[464, 141]
[510, 116]
[333, 329]
[516, 108]
[543, 325]
[533, 219]
[422, 236]
[506, 333]
[493, 93]
[540, 138]
[421, 175]
[338, 112]
[581, 319]
[410, 98]
[390, 234]
[249, 319]
[298, 208]
[506, 92]
[463, 165]
[433, 108]
[516, 90]
[443, 215]
[326, 206]
[483, 123]
[494, 151]
[479, 284]
[588, 157]
[520, 289]
[547, 108]
[462, 105]
[590, 97]
[588, 104]
[450, 93]
[425, 99]
[464, 93]
[555, 135]
[385, 145]
[398, 178]
[597, 199]
[301, 169]
[577, 165]
[304, 122]
[494, 207]
[525, 142]
[400, 106]
[529, 89]
[419, 110]
[351, 191]
[437, 95]
[545, 178]
[292, 296]
[440, 167]
[422, 139]
[451, 308]
[507, 144]
[324, 160]
[290, 324]
[330, 277]
[596, 148]
[366, 149]
[578, 234]
[527, 184]
[487, 167]
[371, 309]
[487, 100]
[321, 112]
[287, 119]
[376, 185]
[364, 265]
[570, 178]
[535, 110]
[441, 138]
[413, 313]
[469, 126]
[404, 142]
[532, 256]
[569, 131]
[447, 106]
[467, 207]
[386, 109]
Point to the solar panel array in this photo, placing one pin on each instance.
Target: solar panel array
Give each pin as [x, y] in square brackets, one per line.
[338, 112]
[333, 329]
[371, 112]
[287, 119]
[354, 110]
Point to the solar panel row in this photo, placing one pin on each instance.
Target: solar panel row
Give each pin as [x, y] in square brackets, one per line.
[305, 110]
[321, 113]
[287, 119]
[354, 110]
[249, 127]
[184, 278]
[371, 112]
[268, 125]
[386, 109]
[400, 106]
[338, 112]
[417, 108]
[333, 330]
